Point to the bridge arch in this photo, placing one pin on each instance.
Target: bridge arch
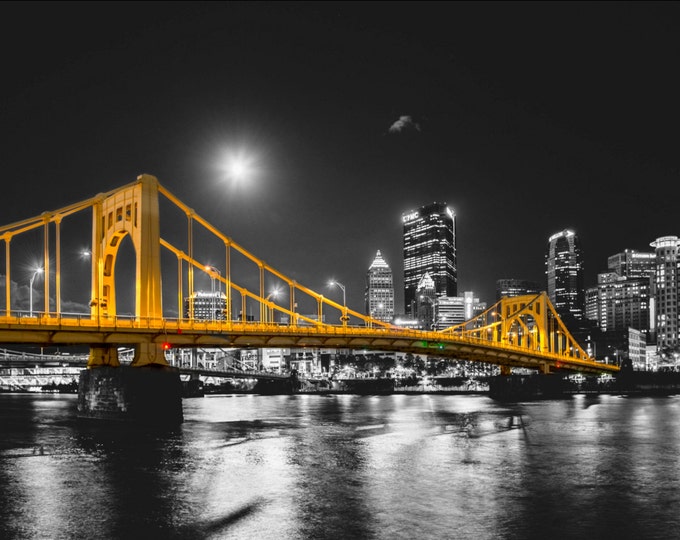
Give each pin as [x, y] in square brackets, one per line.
[132, 211]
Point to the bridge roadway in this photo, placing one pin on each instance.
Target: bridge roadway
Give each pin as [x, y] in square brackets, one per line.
[125, 331]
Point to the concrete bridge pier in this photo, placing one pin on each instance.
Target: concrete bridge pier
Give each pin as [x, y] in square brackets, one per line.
[150, 393]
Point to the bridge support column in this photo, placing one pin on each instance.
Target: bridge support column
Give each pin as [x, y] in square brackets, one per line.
[103, 356]
[506, 370]
[147, 354]
[143, 394]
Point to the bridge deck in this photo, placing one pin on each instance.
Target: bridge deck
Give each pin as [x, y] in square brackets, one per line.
[179, 333]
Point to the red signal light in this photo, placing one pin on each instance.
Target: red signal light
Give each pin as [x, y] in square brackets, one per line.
[166, 346]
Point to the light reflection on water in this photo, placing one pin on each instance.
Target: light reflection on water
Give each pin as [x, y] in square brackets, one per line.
[378, 467]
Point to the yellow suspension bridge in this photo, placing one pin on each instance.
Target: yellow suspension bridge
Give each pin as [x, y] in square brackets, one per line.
[523, 331]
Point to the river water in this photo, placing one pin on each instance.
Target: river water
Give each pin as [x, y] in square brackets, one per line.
[345, 467]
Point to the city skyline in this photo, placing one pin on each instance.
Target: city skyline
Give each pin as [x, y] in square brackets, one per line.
[526, 119]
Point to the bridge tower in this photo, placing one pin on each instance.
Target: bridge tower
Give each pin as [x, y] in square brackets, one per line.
[106, 389]
[132, 210]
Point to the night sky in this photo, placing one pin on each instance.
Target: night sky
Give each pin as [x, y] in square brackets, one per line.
[526, 118]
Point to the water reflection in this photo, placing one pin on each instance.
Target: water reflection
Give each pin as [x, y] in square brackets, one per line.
[392, 467]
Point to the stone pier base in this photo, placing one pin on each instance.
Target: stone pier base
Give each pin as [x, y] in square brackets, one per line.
[148, 394]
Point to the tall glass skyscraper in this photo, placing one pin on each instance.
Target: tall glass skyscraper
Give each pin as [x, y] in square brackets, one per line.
[379, 295]
[429, 246]
[564, 272]
[666, 275]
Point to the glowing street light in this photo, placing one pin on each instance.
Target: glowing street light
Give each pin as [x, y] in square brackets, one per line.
[344, 317]
[274, 294]
[30, 290]
[270, 310]
[342, 287]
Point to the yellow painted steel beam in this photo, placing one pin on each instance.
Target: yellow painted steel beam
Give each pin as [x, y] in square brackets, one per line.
[153, 333]
[520, 331]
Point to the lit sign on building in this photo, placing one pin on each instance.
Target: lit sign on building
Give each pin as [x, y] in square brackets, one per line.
[409, 217]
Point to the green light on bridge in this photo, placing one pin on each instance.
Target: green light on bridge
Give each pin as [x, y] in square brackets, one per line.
[433, 345]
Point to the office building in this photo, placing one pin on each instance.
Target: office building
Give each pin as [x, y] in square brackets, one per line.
[516, 287]
[429, 246]
[451, 310]
[592, 304]
[426, 297]
[206, 306]
[379, 294]
[665, 292]
[624, 293]
[632, 264]
[564, 273]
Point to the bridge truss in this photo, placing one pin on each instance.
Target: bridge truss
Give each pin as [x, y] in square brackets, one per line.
[516, 332]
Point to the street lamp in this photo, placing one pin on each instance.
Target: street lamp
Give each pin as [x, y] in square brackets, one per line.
[342, 287]
[344, 317]
[30, 290]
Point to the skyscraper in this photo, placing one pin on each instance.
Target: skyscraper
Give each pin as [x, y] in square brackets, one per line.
[516, 287]
[666, 292]
[429, 246]
[379, 294]
[426, 301]
[623, 293]
[564, 273]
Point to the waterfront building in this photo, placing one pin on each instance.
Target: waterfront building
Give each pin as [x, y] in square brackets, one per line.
[451, 310]
[564, 273]
[665, 292]
[516, 287]
[620, 307]
[406, 322]
[429, 246]
[206, 306]
[637, 349]
[623, 298]
[379, 294]
[273, 359]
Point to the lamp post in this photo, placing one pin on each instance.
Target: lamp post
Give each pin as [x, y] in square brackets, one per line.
[30, 290]
[344, 317]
